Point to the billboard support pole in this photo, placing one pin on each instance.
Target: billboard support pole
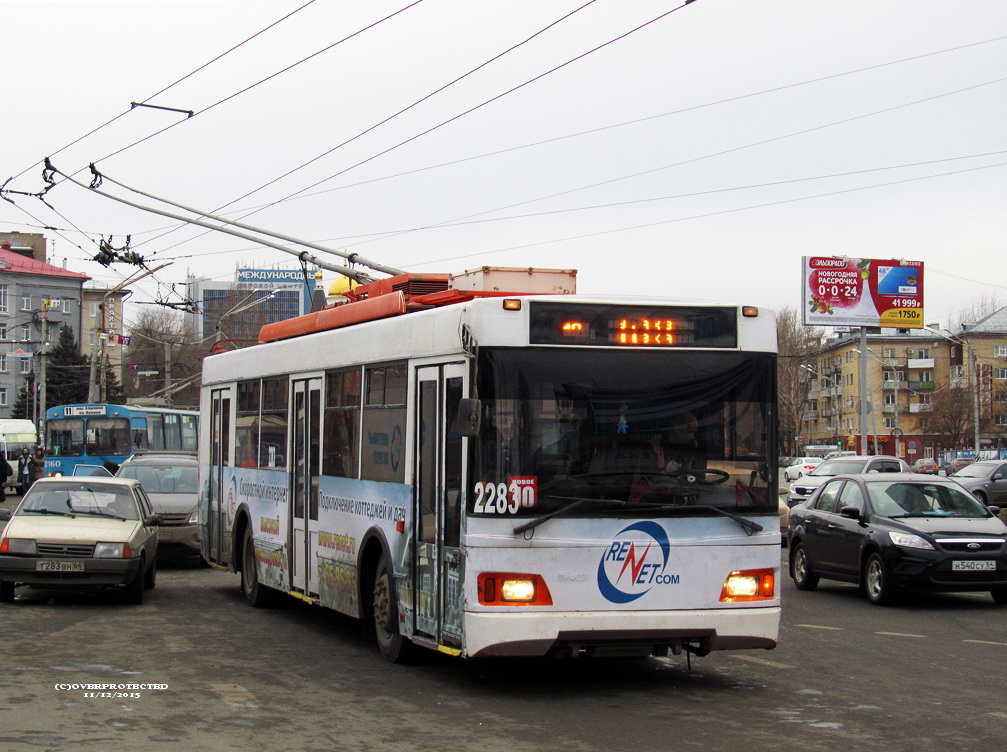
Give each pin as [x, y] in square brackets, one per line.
[862, 406]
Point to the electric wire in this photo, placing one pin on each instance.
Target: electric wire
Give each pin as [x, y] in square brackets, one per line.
[386, 120]
[711, 155]
[169, 86]
[706, 215]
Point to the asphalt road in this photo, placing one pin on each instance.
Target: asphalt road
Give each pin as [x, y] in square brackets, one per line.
[925, 675]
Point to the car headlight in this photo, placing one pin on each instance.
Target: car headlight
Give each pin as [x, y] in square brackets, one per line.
[908, 540]
[194, 517]
[18, 546]
[111, 550]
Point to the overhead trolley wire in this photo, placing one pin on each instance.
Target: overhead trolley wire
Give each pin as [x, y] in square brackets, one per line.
[253, 209]
[166, 88]
[484, 103]
[379, 124]
[711, 214]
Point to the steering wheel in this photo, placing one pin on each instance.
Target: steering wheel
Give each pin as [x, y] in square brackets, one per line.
[700, 476]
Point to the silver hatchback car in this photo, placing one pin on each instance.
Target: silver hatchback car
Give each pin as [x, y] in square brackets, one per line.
[170, 480]
[802, 488]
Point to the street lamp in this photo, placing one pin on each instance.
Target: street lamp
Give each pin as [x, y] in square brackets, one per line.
[975, 370]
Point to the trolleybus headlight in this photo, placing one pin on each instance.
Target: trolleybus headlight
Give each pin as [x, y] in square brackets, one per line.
[512, 589]
[749, 585]
[18, 546]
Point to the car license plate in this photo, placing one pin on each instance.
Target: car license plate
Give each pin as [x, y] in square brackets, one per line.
[973, 566]
[59, 566]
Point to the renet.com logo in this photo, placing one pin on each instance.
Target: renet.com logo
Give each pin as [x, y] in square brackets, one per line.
[630, 567]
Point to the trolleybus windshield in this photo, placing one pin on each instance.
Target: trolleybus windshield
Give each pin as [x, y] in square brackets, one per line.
[668, 428]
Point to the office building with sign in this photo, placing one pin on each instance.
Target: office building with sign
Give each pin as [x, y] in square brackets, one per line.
[236, 309]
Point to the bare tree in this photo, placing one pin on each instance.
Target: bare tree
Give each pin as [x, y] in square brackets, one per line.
[161, 341]
[975, 311]
[951, 417]
[798, 345]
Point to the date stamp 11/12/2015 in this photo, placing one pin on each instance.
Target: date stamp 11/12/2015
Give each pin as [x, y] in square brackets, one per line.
[120, 691]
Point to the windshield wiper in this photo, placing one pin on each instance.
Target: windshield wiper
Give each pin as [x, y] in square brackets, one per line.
[99, 513]
[563, 510]
[49, 511]
[750, 527]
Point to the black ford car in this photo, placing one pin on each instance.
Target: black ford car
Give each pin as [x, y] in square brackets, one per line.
[896, 531]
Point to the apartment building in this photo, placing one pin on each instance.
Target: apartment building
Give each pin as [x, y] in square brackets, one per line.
[919, 388]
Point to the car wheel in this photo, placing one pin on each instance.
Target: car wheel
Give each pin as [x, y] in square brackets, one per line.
[134, 588]
[800, 569]
[876, 581]
[1000, 596]
[150, 578]
[981, 496]
[391, 643]
[6, 591]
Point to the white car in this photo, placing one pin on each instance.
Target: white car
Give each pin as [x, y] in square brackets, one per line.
[802, 488]
[801, 466]
[75, 533]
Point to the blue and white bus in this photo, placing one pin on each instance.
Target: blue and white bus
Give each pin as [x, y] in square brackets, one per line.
[106, 434]
[484, 475]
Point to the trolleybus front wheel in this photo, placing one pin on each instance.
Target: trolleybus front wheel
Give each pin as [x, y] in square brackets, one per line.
[391, 643]
[255, 592]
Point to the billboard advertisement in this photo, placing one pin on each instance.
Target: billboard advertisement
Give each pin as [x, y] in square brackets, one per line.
[841, 291]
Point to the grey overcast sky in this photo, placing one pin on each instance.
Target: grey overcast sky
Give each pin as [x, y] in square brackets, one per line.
[690, 150]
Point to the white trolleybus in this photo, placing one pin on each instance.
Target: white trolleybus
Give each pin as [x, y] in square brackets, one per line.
[490, 474]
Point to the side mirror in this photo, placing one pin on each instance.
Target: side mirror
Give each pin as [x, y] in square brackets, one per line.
[995, 511]
[997, 476]
[852, 513]
[467, 422]
[153, 520]
[5, 515]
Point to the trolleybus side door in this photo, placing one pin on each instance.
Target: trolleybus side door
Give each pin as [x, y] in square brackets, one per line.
[217, 521]
[305, 471]
[438, 482]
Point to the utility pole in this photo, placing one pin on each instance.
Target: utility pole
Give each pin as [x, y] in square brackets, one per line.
[167, 371]
[94, 380]
[40, 426]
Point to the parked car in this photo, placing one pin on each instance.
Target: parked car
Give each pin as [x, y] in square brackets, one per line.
[987, 480]
[802, 488]
[801, 466]
[94, 470]
[170, 480]
[73, 533]
[886, 532]
[926, 466]
[845, 453]
[957, 464]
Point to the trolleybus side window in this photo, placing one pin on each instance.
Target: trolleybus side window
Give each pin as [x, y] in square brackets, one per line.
[155, 432]
[452, 466]
[273, 436]
[247, 424]
[384, 422]
[341, 424]
[172, 433]
[190, 432]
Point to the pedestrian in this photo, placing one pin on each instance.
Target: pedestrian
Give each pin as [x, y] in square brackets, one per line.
[5, 473]
[38, 465]
[24, 463]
